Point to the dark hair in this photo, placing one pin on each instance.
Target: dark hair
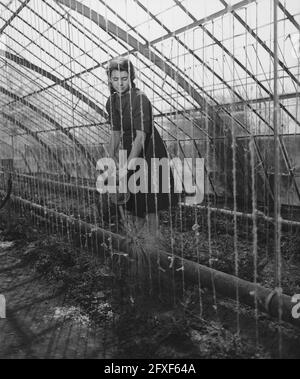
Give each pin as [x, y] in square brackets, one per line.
[121, 64]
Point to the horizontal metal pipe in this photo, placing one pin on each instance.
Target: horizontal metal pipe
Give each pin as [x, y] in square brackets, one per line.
[250, 216]
[78, 226]
[56, 185]
[251, 294]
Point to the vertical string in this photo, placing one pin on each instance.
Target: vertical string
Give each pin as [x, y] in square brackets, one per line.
[234, 174]
[211, 134]
[252, 152]
[197, 233]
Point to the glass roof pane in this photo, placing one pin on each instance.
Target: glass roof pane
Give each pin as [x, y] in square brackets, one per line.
[207, 8]
[150, 30]
[7, 9]
[156, 6]
[174, 19]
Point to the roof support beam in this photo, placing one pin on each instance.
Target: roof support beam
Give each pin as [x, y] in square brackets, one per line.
[244, 68]
[204, 20]
[33, 135]
[45, 50]
[262, 43]
[285, 96]
[14, 15]
[51, 121]
[289, 16]
[62, 101]
[62, 82]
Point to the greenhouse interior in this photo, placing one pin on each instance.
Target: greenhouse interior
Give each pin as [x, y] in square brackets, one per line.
[212, 87]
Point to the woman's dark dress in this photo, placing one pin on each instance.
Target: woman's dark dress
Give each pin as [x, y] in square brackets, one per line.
[128, 113]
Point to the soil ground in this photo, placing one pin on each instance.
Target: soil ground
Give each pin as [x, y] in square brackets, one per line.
[40, 323]
[64, 303]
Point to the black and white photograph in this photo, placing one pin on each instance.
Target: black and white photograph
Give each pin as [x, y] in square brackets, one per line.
[149, 182]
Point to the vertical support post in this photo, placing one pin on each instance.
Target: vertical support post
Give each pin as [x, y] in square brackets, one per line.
[11, 172]
[277, 205]
[277, 176]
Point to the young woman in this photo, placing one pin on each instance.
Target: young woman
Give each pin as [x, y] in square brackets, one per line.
[131, 119]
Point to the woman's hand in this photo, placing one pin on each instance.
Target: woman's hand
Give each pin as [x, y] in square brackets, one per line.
[114, 143]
